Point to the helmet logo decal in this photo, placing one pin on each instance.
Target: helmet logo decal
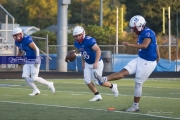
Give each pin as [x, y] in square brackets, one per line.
[136, 19]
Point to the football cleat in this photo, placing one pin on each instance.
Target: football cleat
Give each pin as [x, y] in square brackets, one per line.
[133, 109]
[51, 86]
[115, 90]
[96, 98]
[35, 92]
[100, 79]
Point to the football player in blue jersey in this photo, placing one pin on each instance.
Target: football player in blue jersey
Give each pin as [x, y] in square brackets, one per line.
[143, 65]
[91, 61]
[28, 49]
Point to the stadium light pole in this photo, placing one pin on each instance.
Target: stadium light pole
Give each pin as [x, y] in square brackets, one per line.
[62, 34]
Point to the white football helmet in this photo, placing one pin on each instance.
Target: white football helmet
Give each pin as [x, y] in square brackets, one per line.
[137, 22]
[17, 33]
[17, 30]
[78, 30]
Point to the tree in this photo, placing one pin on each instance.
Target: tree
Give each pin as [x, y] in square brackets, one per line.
[17, 10]
[84, 12]
[41, 43]
[88, 12]
[42, 13]
[3, 1]
[152, 11]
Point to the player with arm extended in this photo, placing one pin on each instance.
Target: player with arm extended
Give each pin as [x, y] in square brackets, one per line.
[29, 49]
[91, 61]
[143, 65]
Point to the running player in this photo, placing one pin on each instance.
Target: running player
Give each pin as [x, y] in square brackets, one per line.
[29, 49]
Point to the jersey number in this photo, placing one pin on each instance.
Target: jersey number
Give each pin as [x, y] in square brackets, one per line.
[85, 55]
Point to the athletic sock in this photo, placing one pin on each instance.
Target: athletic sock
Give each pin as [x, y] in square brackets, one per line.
[136, 104]
[105, 79]
[97, 93]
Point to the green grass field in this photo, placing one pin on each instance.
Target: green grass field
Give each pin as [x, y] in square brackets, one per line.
[160, 101]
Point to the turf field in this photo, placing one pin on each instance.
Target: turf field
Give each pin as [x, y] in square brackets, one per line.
[160, 101]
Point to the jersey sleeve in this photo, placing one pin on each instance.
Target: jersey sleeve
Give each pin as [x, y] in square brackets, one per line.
[28, 40]
[91, 42]
[148, 34]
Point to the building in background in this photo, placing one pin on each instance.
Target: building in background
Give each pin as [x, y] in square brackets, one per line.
[28, 30]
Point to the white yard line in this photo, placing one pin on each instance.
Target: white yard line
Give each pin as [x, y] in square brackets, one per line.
[89, 109]
[73, 92]
[127, 85]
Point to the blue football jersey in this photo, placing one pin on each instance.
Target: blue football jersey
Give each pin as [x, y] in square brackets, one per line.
[24, 46]
[86, 50]
[150, 52]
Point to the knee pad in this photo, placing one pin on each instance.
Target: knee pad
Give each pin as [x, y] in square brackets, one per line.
[138, 89]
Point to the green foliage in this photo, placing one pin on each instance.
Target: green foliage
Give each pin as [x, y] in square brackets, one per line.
[17, 9]
[3, 1]
[152, 11]
[52, 40]
[103, 36]
[107, 36]
[42, 13]
[39, 13]
[82, 15]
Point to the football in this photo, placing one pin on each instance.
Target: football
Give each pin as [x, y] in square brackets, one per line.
[71, 56]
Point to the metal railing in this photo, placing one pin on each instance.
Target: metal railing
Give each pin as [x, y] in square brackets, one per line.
[164, 51]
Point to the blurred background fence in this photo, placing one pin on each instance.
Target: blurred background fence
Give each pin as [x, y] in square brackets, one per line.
[113, 61]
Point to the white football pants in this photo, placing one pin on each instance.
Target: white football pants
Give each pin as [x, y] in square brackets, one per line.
[31, 69]
[141, 68]
[89, 72]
